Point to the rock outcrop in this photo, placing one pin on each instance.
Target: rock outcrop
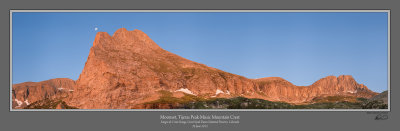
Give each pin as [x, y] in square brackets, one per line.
[127, 69]
[28, 92]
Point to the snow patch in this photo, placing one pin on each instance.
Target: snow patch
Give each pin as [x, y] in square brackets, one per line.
[60, 88]
[352, 91]
[184, 90]
[219, 92]
[71, 90]
[26, 102]
[18, 102]
[227, 92]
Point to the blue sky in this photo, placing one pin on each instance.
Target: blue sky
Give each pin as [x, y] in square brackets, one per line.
[299, 47]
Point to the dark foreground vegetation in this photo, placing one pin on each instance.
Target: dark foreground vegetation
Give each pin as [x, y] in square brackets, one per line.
[194, 102]
[167, 101]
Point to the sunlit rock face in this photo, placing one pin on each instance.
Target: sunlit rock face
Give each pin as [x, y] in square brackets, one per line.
[26, 93]
[127, 69]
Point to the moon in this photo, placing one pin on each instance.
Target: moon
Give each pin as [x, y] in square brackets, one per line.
[95, 28]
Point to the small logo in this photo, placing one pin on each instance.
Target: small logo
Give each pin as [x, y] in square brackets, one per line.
[382, 116]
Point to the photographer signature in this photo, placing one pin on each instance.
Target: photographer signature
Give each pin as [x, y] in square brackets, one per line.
[382, 116]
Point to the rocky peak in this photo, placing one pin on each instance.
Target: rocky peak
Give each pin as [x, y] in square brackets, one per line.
[124, 34]
[123, 40]
[102, 37]
[341, 81]
[120, 32]
[345, 77]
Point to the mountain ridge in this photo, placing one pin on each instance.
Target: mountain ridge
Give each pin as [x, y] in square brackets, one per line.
[26, 93]
[128, 69]
[131, 68]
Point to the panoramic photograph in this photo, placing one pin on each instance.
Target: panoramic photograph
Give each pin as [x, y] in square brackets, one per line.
[199, 60]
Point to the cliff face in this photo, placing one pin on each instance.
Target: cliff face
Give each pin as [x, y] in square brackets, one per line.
[26, 93]
[129, 68]
[278, 89]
